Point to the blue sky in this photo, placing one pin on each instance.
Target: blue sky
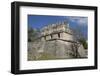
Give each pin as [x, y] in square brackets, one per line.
[39, 21]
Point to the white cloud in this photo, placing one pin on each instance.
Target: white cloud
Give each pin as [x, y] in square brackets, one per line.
[79, 20]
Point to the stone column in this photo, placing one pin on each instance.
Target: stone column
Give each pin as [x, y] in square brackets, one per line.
[61, 35]
[55, 36]
[48, 37]
[42, 39]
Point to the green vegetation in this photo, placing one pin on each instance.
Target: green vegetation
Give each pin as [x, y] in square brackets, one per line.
[45, 56]
[32, 34]
[80, 36]
[41, 56]
[31, 57]
[84, 43]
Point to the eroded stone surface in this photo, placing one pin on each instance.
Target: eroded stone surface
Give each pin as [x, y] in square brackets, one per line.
[55, 48]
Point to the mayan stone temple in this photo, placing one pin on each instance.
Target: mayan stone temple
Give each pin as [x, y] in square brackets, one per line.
[56, 42]
[59, 31]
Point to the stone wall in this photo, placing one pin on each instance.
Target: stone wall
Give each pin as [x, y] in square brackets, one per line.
[55, 49]
[83, 52]
[62, 35]
[49, 29]
[59, 30]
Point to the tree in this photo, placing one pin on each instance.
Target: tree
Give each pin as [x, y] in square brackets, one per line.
[79, 37]
[74, 49]
[32, 34]
[84, 43]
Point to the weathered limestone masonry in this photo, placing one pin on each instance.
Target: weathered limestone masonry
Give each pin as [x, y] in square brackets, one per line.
[57, 31]
[57, 41]
[60, 35]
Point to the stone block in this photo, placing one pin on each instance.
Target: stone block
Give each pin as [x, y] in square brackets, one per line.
[55, 36]
[48, 37]
[42, 39]
[66, 36]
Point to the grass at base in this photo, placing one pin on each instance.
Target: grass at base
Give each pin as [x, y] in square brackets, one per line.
[45, 56]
